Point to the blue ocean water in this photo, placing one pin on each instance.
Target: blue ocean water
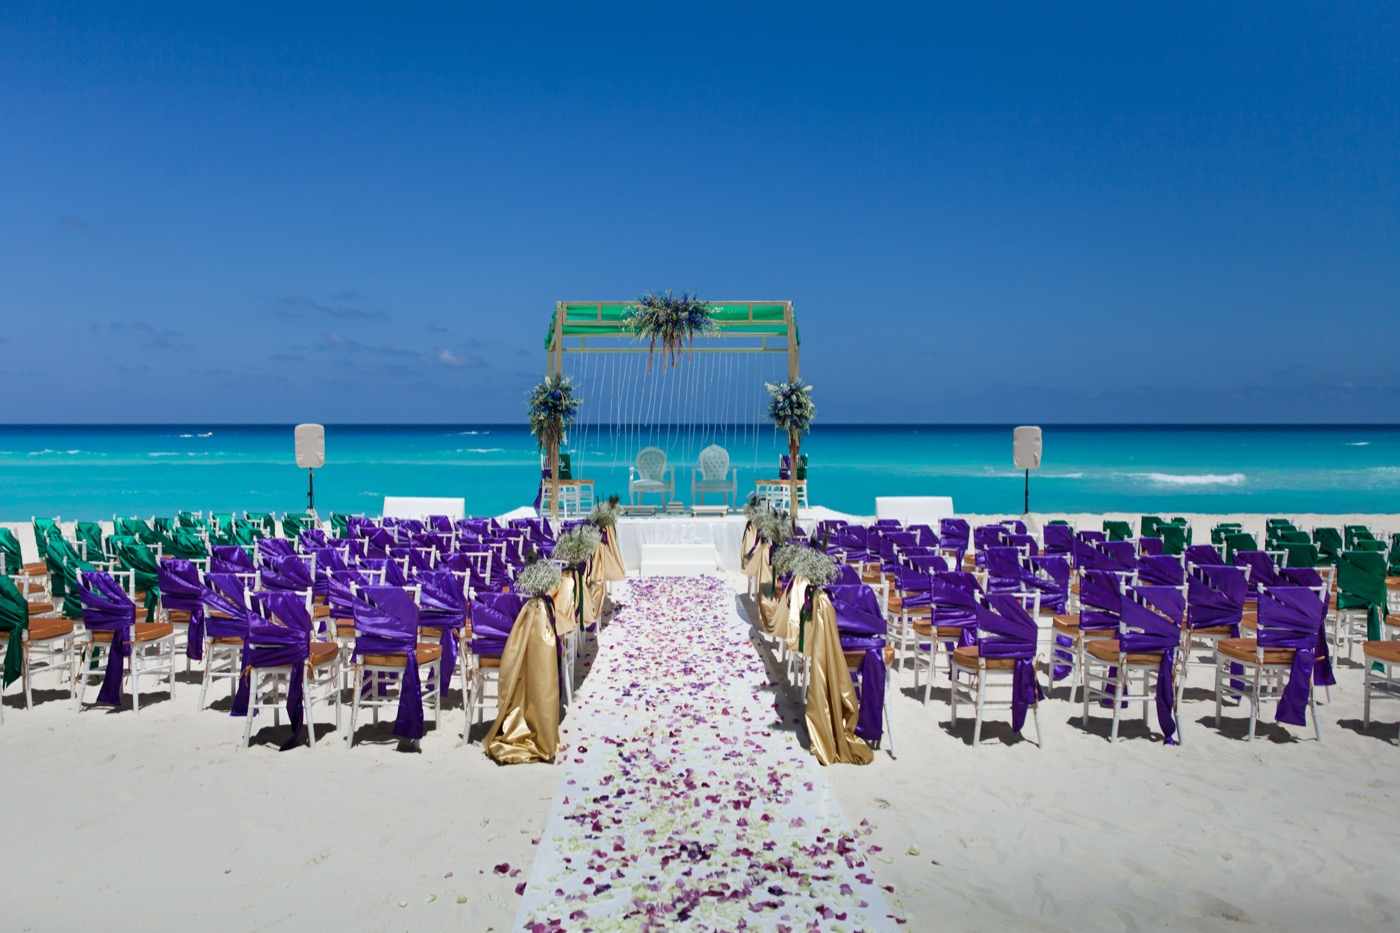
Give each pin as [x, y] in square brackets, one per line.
[95, 472]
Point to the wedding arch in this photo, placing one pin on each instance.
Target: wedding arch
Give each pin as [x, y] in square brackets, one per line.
[698, 385]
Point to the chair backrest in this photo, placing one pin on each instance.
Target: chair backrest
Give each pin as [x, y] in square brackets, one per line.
[1261, 568]
[1150, 618]
[1161, 570]
[493, 616]
[180, 586]
[651, 463]
[714, 464]
[230, 558]
[857, 610]
[1291, 616]
[1203, 554]
[1215, 595]
[386, 618]
[1059, 539]
[986, 536]
[1004, 628]
[1361, 579]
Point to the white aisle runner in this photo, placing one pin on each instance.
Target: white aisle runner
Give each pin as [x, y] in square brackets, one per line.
[684, 801]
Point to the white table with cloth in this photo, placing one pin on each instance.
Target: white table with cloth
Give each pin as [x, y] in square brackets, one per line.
[722, 532]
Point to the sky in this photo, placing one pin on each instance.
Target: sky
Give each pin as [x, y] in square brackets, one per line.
[363, 213]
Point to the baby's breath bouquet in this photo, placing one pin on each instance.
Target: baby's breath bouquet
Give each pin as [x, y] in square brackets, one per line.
[540, 578]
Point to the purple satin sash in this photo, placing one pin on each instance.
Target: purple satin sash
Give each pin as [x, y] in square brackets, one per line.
[229, 558]
[1294, 617]
[107, 608]
[388, 624]
[493, 616]
[1161, 570]
[1006, 630]
[183, 591]
[443, 604]
[1152, 628]
[284, 640]
[862, 628]
[1203, 554]
[227, 616]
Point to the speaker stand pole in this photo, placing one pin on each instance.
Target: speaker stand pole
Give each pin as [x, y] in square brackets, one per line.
[1028, 494]
[311, 490]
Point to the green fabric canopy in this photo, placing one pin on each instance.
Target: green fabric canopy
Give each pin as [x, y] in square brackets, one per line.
[610, 319]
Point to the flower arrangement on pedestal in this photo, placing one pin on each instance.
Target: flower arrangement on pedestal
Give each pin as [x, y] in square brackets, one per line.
[552, 407]
[673, 321]
[791, 409]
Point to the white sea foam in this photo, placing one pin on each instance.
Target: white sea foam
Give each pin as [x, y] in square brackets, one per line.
[211, 434]
[1192, 479]
[471, 433]
[49, 450]
[174, 453]
[484, 450]
[191, 435]
[1349, 444]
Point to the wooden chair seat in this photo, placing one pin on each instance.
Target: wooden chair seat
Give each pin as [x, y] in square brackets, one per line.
[33, 586]
[1106, 649]
[1246, 649]
[1387, 652]
[1221, 630]
[177, 616]
[227, 640]
[40, 609]
[344, 628]
[426, 655]
[49, 629]
[323, 653]
[320, 612]
[144, 631]
[36, 569]
[488, 662]
[967, 655]
[855, 658]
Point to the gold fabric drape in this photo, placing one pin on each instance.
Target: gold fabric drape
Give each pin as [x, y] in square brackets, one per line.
[565, 608]
[832, 708]
[745, 543]
[758, 565]
[595, 587]
[527, 726]
[609, 557]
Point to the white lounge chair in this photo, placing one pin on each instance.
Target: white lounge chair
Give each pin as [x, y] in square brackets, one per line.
[651, 476]
[714, 475]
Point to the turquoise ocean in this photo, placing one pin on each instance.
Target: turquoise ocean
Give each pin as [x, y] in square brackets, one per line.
[93, 472]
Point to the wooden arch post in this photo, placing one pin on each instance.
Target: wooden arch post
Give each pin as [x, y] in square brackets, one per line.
[555, 367]
[794, 439]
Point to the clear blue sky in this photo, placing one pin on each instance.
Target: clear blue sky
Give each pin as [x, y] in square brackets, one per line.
[1089, 212]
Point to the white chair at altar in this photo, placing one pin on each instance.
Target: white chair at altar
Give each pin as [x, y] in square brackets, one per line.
[650, 475]
[714, 475]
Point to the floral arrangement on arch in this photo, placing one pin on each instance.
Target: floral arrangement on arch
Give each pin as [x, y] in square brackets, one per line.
[552, 408]
[790, 406]
[673, 321]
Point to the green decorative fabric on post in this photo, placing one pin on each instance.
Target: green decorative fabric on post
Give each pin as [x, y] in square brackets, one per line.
[1299, 554]
[1117, 531]
[1329, 544]
[44, 528]
[14, 621]
[10, 552]
[1239, 541]
[89, 535]
[1173, 537]
[136, 557]
[1361, 585]
[186, 544]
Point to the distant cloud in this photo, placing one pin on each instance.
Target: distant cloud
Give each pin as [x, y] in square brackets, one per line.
[448, 358]
[148, 335]
[343, 306]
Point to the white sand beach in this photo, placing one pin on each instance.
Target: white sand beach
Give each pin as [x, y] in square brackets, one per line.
[161, 821]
